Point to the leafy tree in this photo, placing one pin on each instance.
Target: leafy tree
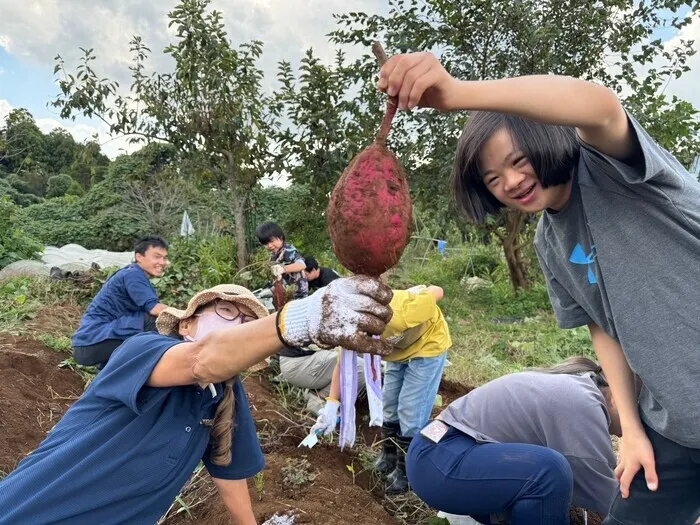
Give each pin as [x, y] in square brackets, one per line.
[58, 185]
[89, 164]
[610, 41]
[17, 197]
[211, 107]
[60, 150]
[21, 142]
[15, 244]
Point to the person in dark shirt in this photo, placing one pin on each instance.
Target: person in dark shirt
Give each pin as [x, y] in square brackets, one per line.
[318, 276]
[287, 263]
[126, 305]
[164, 402]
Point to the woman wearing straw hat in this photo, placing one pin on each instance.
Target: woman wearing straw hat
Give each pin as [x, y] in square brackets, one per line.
[161, 405]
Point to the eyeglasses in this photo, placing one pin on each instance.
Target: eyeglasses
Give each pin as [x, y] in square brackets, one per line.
[228, 311]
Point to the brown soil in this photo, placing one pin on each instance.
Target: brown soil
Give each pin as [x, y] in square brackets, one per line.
[63, 320]
[34, 394]
[331, 498]
[576, 517]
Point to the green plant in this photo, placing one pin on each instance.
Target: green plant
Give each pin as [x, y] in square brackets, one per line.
[16, 304]
[259, 482]
[88, 373]
[59, 343]
[297, 474]
[15, 244]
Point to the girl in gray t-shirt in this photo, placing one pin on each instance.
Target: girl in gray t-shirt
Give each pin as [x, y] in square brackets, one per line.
[618, 241]
[528, 444]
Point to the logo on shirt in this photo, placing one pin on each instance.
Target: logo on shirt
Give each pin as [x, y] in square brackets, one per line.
[578, 256]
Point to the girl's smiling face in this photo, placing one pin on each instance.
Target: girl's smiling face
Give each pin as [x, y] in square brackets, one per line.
[509, 176]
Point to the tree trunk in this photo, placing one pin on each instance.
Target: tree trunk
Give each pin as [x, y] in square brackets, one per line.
[238, 209]
[511, 249]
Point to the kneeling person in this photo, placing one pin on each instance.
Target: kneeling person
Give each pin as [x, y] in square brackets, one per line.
[125, 449]
[126, 305]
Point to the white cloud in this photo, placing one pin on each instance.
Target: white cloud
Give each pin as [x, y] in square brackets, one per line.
[687, 87]
[5, 109]
[38, 30]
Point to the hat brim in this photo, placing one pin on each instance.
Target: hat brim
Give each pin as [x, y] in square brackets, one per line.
[169, 319]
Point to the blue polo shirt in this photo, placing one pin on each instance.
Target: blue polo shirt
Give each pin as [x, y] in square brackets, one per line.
[124, 450]
[117, 311]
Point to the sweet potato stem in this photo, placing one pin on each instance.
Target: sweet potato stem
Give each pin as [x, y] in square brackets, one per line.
[381, 137]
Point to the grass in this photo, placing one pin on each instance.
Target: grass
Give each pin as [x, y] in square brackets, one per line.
[22, 297]
[59, 343]
[495, 330]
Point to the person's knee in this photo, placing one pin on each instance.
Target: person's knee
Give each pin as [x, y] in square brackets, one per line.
[554, 476]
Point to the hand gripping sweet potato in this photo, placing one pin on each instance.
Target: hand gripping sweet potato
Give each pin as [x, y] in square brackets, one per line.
[369, 213]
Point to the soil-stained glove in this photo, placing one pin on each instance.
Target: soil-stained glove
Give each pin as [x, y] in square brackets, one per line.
[327, 418]
[347, 313]
[277, 270]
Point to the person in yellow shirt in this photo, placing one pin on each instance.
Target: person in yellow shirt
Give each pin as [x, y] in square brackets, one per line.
[420, 334]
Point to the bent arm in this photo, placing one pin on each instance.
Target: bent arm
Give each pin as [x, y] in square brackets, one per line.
[294, 267]
[593, 109]
[221, 355]
[157, 309]
[234, 493]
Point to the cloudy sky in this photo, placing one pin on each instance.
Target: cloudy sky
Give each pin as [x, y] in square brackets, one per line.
[32, 32]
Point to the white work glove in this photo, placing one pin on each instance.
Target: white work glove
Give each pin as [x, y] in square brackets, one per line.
[327, 418]
[347, 313]
[277, 270]
[417, 289]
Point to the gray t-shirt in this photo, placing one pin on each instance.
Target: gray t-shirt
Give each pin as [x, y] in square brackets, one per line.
[625, 254]
[566, 413]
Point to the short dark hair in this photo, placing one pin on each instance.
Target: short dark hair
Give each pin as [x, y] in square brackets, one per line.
[268, 231]
[311, 263]
[150, 241]
[553, 152]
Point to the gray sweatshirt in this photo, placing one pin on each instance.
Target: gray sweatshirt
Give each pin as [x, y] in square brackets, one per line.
[566, 413]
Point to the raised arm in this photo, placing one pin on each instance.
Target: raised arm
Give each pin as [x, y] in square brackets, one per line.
[418, 79]
[345, 313]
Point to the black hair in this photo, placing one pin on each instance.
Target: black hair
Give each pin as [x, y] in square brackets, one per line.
[149, 241]
[311, 263]
[553, 152]
[268, 231]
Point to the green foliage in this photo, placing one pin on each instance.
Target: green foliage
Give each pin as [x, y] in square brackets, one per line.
[212, 108]
[60, 343]
[19, 198]
[31, 158]
[197, 263]
[15, 303]
[58, 185]
[15, 243]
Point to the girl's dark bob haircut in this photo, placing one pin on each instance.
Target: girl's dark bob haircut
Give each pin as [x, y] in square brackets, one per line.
[553, 152]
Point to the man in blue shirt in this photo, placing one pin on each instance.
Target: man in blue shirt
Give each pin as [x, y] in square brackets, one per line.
[161, 405]
[126, 305]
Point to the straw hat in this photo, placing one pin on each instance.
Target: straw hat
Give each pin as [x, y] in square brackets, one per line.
[169, 318]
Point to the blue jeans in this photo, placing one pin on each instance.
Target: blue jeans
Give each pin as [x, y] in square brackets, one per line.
[409, 392]
[458, 475]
